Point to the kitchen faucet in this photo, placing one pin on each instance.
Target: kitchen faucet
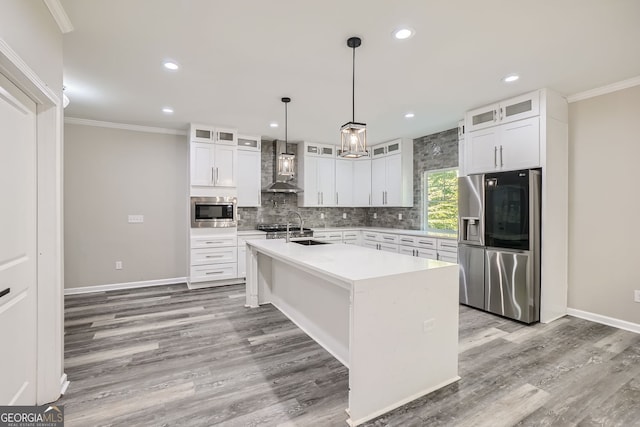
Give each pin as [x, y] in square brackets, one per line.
[287, 237]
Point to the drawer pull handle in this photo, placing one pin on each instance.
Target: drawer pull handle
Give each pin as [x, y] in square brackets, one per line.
[214, 256]
[5, 292]
[214, 272]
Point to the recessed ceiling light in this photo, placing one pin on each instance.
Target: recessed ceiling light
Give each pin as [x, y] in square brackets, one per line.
[403, 33]
[511, 78]
[273, 124]
[167, 110]
[170, 65]
[409, 115]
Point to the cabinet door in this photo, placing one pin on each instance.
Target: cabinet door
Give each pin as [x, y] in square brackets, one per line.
[345, 182]
[520, 107]
[520, 144]
[368, 244]
[481, 150]
[311, 194]
[226, 160]
[202, 169]
[481, 118]
[242, 261]
[406, 250]
[249, 178]
[427, 253]
[361, 183]
[378, 181]
[326, 179]
[393, 196]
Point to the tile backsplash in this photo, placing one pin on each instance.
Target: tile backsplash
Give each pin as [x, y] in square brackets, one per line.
[431, 152]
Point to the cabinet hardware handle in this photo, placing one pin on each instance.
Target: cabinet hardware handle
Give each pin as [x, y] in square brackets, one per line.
[336, 197]
[501, 113]
[495, 156]
[495, 115]
[501, 162]
[318, 197]
[214, 272]
[217, 174]
[322, 198]
[5, 292]
[369, 198]
[212, 178]
[214, 256]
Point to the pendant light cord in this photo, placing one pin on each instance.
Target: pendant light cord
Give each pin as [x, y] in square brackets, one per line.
[286, 126]
[353, 87]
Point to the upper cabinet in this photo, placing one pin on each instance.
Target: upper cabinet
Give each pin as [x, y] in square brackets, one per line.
[249, 171]
[392, 174]
[212, 157]
[520, 107]
[316, 174]
[353, 182]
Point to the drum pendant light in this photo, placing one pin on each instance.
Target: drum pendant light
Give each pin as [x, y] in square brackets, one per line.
[353, 134]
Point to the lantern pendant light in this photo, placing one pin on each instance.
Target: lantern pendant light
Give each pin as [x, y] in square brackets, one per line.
[286, 161]
[353, 134]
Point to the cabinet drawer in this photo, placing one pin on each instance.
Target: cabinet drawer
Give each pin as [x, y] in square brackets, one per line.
[388, 238]
[426, 242]
[350, 235]
[407, 240]
[329, 236]
[387, 247]
[209, 272]
[447, 245]
[213, 241]
[427, 253]
[370, 244]
[214, 255]
[367, 235]
[448, 257]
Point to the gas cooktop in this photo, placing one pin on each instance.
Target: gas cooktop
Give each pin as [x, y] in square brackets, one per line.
[279, 231]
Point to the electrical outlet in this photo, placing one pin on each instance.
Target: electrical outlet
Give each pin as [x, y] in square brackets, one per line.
[375, 215]
[321, 216]
[400, 217]
[636, 295]
[136, 219]
[118, 265]
[344, 215]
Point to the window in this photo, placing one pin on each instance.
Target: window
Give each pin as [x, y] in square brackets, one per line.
[441, 200]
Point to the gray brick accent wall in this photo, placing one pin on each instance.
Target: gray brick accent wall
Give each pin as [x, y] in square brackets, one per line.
[431, 152]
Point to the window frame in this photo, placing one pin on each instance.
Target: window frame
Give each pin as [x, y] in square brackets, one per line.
[425, 200]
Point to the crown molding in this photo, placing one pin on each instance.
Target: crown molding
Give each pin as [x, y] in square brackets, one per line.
[59, 14]
[124, 126]
[624, 84]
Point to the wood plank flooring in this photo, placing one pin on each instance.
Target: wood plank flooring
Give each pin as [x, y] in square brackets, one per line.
[169, 356]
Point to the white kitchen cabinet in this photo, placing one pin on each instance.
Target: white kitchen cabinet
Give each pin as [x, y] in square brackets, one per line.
[353, 182]
[418, 246]
[513, 109]
[202, 133]
[344, 182]
[316, 167]
[251, 143]
[249, 175]
[351, 237]
[510, 146]
[448, 250]
[380, 241]
[226, 136]
[242, 251]
[392, 174]
[213, 165]
[328, 236]
[213, 258]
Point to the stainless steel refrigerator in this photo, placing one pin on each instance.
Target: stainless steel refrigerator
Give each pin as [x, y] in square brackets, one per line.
[499, 243]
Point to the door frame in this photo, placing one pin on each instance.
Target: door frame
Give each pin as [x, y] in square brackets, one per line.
[50, 379]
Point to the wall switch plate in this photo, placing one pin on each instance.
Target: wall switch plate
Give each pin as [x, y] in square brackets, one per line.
[375, 215]
[428, 325]
[344, 215]
[118, 265]
[321, 216]
[136, 219]
[400, 216]
[636, 295]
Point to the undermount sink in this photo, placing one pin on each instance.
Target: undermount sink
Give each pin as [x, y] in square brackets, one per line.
[309, 242]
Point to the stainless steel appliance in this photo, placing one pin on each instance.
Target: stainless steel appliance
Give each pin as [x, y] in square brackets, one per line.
[214, 212]
[499, 243]
[279, 231]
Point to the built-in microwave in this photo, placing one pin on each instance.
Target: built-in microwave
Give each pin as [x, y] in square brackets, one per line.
[213, 212]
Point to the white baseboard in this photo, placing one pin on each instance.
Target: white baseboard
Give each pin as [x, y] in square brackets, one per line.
[64, 383]
[605, 320]
[128, 285]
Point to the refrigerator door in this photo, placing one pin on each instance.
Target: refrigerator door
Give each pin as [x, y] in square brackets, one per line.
[510, 288]
[471, 209]
[471, 261]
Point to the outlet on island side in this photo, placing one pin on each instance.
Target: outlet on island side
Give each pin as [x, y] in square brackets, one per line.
[321, 215]
[344, 215]
[375, 215]
[400, 216]
[118, 265]
[636, 295]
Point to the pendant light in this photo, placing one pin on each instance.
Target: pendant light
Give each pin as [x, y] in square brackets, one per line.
[286, 161]
[353, 134]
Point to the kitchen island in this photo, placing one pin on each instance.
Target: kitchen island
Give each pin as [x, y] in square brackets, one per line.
[392, 320]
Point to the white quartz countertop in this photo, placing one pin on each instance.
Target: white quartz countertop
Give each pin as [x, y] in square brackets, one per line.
[347, 263]
[420, 233]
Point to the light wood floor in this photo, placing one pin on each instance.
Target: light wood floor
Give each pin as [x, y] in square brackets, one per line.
[169, 356]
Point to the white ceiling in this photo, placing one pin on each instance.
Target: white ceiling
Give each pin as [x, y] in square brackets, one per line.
[238, 58]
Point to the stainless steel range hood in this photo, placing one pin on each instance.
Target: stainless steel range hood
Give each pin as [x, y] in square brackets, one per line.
[281, 179]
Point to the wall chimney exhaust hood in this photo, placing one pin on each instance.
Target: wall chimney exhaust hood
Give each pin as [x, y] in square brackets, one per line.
[284, 168]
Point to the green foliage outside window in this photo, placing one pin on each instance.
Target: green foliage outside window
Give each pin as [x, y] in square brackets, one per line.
[442, 200]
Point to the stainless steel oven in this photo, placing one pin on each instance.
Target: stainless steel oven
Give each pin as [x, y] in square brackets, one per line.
[214, 212]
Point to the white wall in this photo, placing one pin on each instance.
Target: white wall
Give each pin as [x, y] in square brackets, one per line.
[604, 205]
[110, 174]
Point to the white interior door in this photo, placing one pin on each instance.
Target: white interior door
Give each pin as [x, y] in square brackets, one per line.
[17, 246]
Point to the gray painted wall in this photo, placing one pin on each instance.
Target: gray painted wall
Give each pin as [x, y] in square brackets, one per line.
[437, 151]
[109, 174]
[604, 149]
